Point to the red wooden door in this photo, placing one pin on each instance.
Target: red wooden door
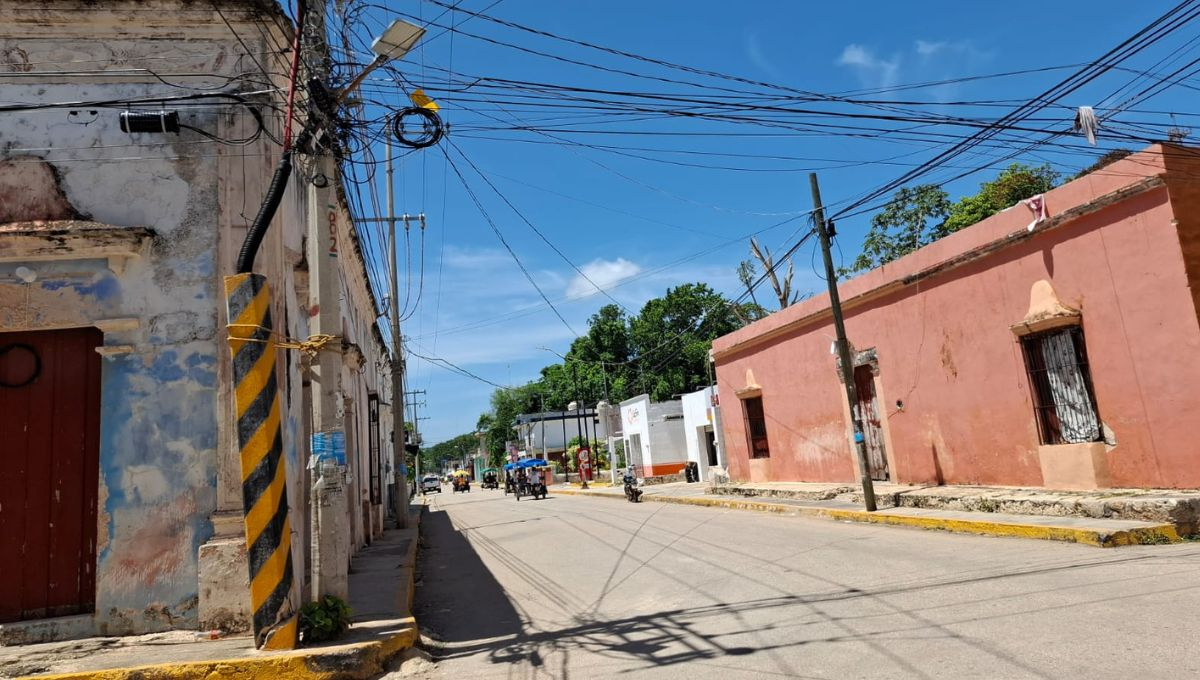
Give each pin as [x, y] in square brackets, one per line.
[49, 472]
[868, 411]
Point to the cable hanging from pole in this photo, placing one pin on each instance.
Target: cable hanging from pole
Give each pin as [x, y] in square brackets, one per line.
[283, 172]
[429, 132]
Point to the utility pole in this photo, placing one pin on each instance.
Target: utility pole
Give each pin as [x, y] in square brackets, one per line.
[400, 451]
[843, 347]
[416, 421]
[542, 415]
[579, 431]
[417, 458]
[333, 502]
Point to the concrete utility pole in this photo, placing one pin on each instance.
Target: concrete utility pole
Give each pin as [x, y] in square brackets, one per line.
[843, 347]
[417, 458]
[332, 535]
[398, 438]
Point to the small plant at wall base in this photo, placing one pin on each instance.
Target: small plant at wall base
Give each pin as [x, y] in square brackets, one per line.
[325, 619]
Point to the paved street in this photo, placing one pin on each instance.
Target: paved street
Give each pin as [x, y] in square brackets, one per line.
[573, 587]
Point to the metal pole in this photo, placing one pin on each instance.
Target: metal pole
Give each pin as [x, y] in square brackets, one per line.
[843, 347]
[578, 426]
[398, 448]
[542, 415]
[587, 438]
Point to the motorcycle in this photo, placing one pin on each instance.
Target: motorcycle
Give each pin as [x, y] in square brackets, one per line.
[532, 486]
[632, 493]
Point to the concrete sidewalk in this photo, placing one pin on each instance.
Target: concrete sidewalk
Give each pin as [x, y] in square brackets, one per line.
[381, 590]
[1097, 531]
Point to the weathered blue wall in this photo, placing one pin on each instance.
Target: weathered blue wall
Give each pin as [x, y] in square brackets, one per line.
[157, 464]
[158, 420]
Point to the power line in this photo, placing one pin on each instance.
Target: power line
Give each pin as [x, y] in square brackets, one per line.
[504, 242]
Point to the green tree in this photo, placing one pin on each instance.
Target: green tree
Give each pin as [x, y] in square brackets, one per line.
[1015, 183]
[918, 216]
[910, 220]
[434, 457]
[507, 404]
[671, 337]
[662, 351]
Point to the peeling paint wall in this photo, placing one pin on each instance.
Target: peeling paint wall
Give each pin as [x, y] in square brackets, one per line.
[169, 476]
[158, 422]
[159, 407]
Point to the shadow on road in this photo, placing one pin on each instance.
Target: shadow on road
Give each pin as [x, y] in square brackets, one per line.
[461, 603]
[458, 597]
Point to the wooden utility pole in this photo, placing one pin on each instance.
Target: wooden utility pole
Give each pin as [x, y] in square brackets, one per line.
[843, 347]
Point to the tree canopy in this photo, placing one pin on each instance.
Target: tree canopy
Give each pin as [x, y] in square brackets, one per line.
[662, 351]
[917, 216]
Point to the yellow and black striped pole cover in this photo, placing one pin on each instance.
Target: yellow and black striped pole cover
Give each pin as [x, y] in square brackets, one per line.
[264, 480]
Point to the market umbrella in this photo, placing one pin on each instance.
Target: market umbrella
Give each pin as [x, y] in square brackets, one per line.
[533, 462]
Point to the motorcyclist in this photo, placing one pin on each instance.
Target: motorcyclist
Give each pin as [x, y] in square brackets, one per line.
[535, 481]
[632, 493]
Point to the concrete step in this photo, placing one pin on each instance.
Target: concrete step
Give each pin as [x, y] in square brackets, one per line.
[1179, 508]
[1099, 532]
[807, 492]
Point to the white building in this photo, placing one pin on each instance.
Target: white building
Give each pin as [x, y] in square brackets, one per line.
[702, 430]
[654, 435]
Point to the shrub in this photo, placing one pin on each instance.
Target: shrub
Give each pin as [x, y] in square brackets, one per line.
[325, 619]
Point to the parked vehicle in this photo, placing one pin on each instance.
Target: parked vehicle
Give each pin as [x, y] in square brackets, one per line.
[632, 493]
[430, 483]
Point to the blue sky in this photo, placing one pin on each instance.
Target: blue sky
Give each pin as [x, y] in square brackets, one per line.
[650, 225]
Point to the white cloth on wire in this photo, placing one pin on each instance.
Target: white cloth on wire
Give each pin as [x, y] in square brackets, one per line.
[1085, 121]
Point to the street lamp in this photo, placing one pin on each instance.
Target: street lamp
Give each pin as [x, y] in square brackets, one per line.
[395, 42]
[397, 39]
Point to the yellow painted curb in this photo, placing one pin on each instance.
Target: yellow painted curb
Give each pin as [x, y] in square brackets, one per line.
[1163, 533]
[352, 661]
[360, 660]
[1152, 535]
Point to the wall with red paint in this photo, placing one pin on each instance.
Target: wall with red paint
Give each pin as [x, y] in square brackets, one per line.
[946, 350]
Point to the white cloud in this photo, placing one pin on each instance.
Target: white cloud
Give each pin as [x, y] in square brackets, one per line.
[758, 57]
[872, 69]
[928, 49]
[953, 53]
[602, 274]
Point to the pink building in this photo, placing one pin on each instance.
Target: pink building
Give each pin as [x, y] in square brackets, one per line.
[1066, 356]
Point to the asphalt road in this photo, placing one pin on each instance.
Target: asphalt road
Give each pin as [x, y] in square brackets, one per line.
[572, 587]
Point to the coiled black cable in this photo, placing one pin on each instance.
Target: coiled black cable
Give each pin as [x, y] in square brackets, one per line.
[431, 127]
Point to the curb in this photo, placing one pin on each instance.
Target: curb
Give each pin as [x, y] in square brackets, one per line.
[350, 661]
[1100, 538]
